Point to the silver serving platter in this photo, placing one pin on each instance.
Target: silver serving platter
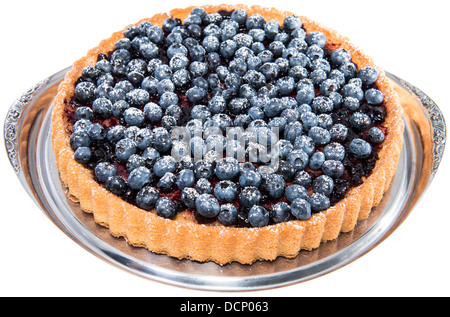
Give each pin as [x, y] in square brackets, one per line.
[28, 145]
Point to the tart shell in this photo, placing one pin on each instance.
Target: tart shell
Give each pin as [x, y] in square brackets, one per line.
[183, 237]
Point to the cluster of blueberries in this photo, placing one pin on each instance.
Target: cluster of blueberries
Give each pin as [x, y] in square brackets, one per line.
[226, 70]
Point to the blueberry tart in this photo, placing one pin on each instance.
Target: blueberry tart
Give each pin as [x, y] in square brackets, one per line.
[227, 133]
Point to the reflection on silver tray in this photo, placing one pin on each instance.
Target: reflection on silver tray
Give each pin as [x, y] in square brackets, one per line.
[28, 145]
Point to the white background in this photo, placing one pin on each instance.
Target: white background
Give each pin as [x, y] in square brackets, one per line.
[39, 38]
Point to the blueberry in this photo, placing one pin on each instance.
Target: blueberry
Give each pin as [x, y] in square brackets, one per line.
[85, 92]
[124, 85]
[79, 139]
[84, 113]
[298, 73]
[228, 214]
[301, 209]
[240, 16]
[155, 34]
[305, 143]
[298, 159]
[176, 49]
[316, 161]
[178, 61]
[135, 161]
[153, 112]
[376, 135]
[360, 149]
[318, 76]
[368, 75]
[303, 178]
[203, 169]
[181, 78]
[272, 29]
[82, 125]
[246, 167]
[334, 151]
[168, 123]
[104, 65]
[189, 196]
[333, 168]
[352, 90]
[143, 138]
[250, 196]
[319, 202]
[273, 107]
[227, 168]
[360, 121]
[351, 103]
[192, 19]
[137, 98]
[317, 38]
[165, 208]
[134, 117]
[196, 95]
[104, 170]
[258, 216]
[238, 106]
[277, 124]
[292, 130]
[338, 132]
[270, 70]
[274, 186]
[305, 93]
[82, 154]
[130, 132]
[215, 18]
[286, 85]
[322, 105]
[207, 205]
[116, 185]
[258, 35]
[315, 52]
[139, 177]
[325, 121]
[374, 96]
[162, 141]
[323, 184]
[292, 22]
[169, 24]
[296, 191]
[309, 120]
[319, 135]
[340, 56]
[203, 186]
[328, 86]
[124, 149]
[242, 120]
[250, 178]
[185, 178]
[163, 165]
[147, 197]
[348, 69]
[280, 212]
[115, 134]
[119, 107]
[102, 107]
[165, 85]
[166, 182]
[226, 191]
[228, 29]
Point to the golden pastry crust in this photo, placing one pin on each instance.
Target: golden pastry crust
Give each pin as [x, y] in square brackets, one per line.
[182, 237]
